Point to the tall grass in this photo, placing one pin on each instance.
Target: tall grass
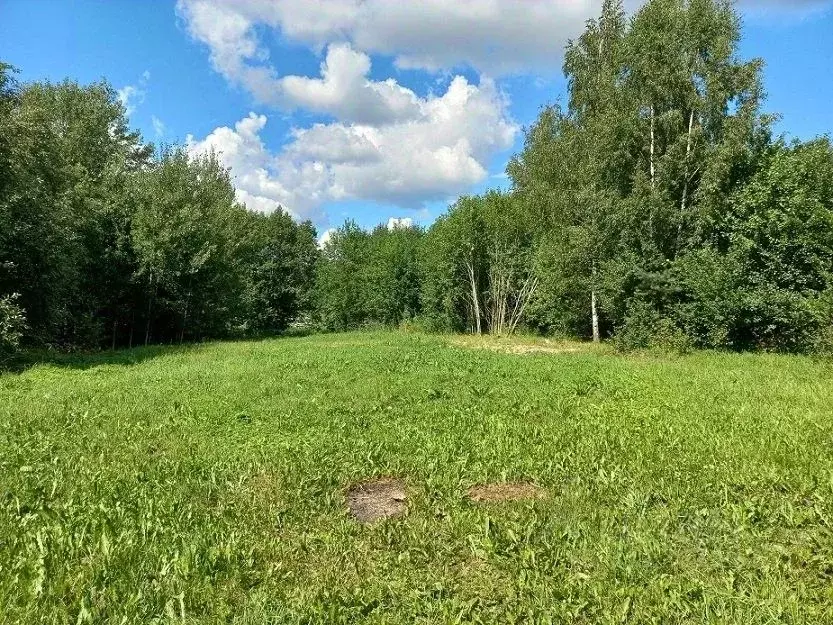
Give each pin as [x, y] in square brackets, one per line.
[206, 485]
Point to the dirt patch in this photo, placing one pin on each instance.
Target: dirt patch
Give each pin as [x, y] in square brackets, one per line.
[378, 499]
[533, 349]
[505, 491]
[507, 347]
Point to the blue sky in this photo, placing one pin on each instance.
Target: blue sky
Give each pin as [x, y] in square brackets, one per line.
[416, 102]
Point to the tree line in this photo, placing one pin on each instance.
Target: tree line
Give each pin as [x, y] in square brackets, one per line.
[106, 242]
[653, 206]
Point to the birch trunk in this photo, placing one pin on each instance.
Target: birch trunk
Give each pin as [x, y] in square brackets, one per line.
[475, 300]
[595, 317]
[653, 148]
[594, 312]
[684, 201]
[526, 293]
[687, 154]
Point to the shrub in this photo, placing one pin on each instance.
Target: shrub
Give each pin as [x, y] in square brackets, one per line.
[428, 324]
[646, 328]
[823, 345]
[12, 325]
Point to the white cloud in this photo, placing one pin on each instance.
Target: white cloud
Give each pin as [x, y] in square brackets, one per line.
[345, 91]
[158, 126]
[384, 143]
[325, 237]
[253, 167]
[440, 153]
[132, 96]
[494, 36]
[400, 222]
[226, 30]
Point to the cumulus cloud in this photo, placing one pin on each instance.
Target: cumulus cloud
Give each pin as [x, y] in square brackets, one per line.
[252, 165]
[439, 153]
[400, 222]
[344, 91]
[384, 143]
[494, 36]
[325, 237]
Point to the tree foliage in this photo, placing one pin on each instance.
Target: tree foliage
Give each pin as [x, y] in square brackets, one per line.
[659, 186]
[108, 243]
[653, 206]
[369, 277]
[12, 326]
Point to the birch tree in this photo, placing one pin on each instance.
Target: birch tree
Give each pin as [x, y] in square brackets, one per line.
[572, 159]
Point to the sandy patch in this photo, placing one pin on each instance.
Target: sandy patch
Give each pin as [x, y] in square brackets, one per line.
[505, 491]
[377, 499]
[513, 346]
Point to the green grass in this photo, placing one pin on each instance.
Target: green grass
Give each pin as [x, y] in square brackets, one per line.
[206, 485]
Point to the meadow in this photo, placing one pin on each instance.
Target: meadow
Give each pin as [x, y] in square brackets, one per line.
[206, 484]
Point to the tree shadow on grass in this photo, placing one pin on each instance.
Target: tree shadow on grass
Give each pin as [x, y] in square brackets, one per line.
[87, 360]
[128, 356]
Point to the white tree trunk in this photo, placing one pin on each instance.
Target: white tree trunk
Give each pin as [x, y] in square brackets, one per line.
[684, 200]
[687, 154]
[653, 148]
[594, 313]
[526, 293]
[475, 299]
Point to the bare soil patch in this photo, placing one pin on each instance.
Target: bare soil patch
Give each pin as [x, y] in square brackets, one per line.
[378, 499]
[505, 491]
[515, 347]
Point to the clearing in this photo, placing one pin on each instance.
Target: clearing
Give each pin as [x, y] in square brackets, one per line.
[213, 484]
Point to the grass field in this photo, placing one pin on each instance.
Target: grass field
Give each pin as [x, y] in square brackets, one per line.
[207, 485]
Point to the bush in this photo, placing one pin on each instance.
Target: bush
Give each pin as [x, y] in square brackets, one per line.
[645, 328]
[823, 345]
[12, 325]
[426, 324]
[710, 297]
